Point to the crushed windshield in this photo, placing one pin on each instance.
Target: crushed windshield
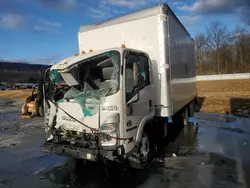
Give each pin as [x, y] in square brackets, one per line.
[87, 82]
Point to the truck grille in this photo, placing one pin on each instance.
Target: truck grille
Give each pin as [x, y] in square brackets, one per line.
[76, 139]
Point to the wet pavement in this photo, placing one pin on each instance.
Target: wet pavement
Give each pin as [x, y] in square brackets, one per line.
[213, 153]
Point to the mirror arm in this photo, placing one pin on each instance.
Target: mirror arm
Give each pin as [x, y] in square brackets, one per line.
[130, 109]
[138, 97]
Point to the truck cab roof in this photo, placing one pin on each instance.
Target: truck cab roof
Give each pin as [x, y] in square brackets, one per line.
[70, 61]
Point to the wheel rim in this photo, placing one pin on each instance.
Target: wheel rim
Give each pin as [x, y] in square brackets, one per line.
[144, 149]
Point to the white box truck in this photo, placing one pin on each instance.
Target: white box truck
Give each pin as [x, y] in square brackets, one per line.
[115, 98]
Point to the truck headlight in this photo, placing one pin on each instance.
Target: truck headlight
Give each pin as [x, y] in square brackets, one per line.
[110, 130]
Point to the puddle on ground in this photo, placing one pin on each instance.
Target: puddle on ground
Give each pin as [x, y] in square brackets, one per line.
[198, 137]
[207, 132]
[9, 116]
[94, 174]
[5, 126]
[225, 122]
[202, 145]
[216, 117]
[6, 102]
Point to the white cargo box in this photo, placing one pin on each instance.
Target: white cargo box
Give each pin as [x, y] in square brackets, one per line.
[158, 32]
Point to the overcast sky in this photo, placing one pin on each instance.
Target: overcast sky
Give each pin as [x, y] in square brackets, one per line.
[45, 31]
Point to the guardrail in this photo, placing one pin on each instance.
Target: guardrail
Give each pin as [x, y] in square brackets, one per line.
[223, 77]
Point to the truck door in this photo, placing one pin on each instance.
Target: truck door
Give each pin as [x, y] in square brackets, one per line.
[138, 91]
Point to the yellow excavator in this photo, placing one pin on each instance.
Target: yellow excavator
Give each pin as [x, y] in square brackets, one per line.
[33, 104]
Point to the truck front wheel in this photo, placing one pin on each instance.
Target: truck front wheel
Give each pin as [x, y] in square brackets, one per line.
[144, 148]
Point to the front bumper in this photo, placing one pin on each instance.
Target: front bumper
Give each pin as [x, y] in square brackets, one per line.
[81, 153]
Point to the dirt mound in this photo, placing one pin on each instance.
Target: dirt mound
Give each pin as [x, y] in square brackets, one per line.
[15, 94]
[225, 96]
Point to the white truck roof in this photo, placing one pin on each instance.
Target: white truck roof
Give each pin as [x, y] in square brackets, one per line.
[159, 9]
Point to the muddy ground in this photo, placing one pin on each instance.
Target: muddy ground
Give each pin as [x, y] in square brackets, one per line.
[225, 96]
[213, 153]
[220, 96]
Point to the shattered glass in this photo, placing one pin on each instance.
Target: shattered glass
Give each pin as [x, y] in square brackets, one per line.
[89, 100]
[114, 83]
[72, 93]
[55, 76]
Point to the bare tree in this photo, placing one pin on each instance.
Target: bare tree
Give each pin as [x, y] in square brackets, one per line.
[217, 36]
[242, 45]
[221, 51]
[200, 42]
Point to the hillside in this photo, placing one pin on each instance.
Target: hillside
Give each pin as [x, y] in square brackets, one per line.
[20, 72]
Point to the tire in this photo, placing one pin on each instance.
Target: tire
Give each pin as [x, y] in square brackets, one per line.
[144, 150]
[40, 110]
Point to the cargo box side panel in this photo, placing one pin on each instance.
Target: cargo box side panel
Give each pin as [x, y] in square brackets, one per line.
[182, 65]
[140, 34]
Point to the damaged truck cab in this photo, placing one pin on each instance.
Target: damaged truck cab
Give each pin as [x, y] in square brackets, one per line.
[114, 102]
[92, 115]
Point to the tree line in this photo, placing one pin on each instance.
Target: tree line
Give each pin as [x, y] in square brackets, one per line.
[221, 51]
